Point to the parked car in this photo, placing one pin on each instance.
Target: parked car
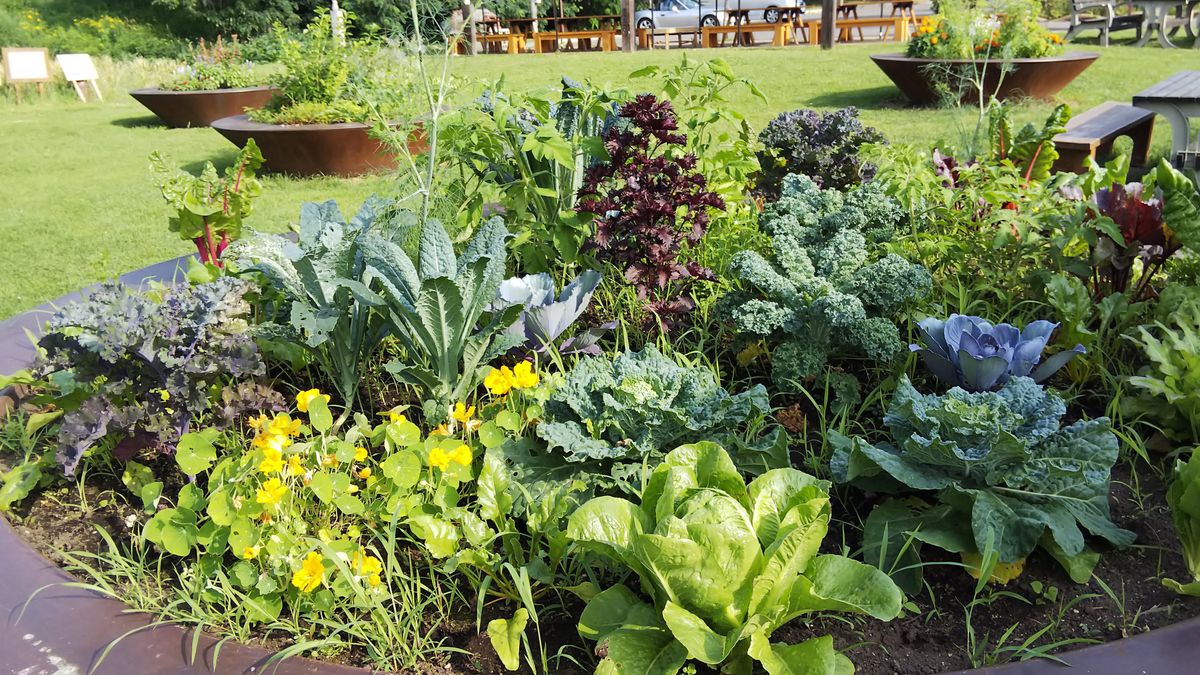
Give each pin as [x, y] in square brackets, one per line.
[772, 9]
[681, 14]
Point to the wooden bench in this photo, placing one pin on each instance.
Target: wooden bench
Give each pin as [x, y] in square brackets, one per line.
[781, 33]
[646, 37]
[513, 43]
[900, 26]
[1092, 134]
[548, 40]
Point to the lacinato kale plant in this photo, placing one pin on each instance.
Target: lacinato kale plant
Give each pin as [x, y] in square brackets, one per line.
[612, 419]
[649, 200]
[144, 364]
[996, 470]
[822, 146]
[827, 291]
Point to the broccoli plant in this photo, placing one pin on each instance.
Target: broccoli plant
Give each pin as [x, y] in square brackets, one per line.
[649, 200]
[822, 146]
[827, 292]
[144, 364]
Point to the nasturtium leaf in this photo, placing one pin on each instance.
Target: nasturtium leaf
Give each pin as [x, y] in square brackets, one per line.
[343, 451]
[318, 414]
[403, 468]
[322, 486]
[349, 504]
[191, 498]
[150, 493]
[507, 419]
[195, 452]
[490, 435]
[243, 574]
[220, 507]
[18, 483]
[404, 434]
[505, 636]
[242, 534]
[263, 608]
[135, 476]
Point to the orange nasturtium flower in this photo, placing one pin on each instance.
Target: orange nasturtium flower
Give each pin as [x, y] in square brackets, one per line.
[441, 458]
[271, 492]
[311, 573]
[305, 397]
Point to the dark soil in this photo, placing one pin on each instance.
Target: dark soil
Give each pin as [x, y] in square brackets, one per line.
[930, 637]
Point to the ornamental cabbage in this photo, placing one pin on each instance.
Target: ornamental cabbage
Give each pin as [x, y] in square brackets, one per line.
[1005, 475]
[725, 564]
[969, 352]
[612, 419]
[546, 317]
[827, 292]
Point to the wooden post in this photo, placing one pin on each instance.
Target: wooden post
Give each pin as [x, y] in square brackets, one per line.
[628, 27]
[828, 19]
[468, 10]
[533, 14]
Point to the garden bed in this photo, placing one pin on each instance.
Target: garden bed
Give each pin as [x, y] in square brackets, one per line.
[918, 79]
[344, 149]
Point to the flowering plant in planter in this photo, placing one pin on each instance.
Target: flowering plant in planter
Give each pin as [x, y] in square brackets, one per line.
[218, 65]
[960, 31]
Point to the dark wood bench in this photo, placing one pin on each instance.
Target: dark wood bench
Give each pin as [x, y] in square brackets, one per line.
[1092, 134]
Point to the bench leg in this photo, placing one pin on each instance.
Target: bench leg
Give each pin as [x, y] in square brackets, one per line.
[1071, 160]
[1141, 137]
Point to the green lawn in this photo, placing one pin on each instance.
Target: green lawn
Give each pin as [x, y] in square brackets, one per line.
[77, 204]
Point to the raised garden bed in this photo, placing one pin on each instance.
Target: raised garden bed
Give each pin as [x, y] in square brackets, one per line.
[346, 149]
[181, 109]
[1013, 79]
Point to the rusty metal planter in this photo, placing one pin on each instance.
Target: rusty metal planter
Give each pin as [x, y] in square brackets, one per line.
[1027, 78]
[65, 630]
[345, 149]
[181, 109]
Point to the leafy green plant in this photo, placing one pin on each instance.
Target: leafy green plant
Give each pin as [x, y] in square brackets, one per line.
[725, 564]
[999, 468]
[611, 420]
[210, 209]
[1171, 381]
[822, 146]
[1183, 496]
[144, 364]
[216, 66]
[828, 293]
[529, 152]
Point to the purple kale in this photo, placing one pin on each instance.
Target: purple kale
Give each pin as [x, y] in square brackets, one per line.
[822, 146]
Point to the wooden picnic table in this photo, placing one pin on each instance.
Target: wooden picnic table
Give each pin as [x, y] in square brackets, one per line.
[563, 23]
[739, 16]
[1177, 98]
[1157, 20]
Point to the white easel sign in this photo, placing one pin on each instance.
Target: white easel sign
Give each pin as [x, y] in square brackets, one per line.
[24, 65]
[79, 69]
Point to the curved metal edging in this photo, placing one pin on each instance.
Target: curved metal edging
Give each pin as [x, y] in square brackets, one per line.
[64, 630]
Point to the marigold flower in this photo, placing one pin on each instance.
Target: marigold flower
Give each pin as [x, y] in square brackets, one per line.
[499, 382]
[271, 492]
[304, 398]
[524, 376]
[441, 459]
[311, 573]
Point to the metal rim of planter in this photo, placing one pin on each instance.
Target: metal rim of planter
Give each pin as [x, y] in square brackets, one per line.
[1042, 77]
[192, 109]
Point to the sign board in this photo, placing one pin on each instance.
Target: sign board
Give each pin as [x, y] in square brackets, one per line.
[77, 67]
[25, 64]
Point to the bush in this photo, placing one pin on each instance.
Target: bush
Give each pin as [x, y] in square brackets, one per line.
[822, 146]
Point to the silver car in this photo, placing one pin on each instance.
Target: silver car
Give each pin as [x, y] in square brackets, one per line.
[681, 14]
[772, 10]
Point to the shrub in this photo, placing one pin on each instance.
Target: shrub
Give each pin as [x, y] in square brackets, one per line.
[827, 293]
[725, 564]
[649, 201]
[822, 146]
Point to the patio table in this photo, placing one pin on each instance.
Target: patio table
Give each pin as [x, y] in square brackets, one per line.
[1177, 98]
[1158, 20]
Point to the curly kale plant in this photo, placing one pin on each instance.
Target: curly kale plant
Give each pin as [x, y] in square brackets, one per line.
[145, 366]
[827, 292]
[725, 564]
[649, 200]
[1005, 476]
[611, 419]
[822, 146]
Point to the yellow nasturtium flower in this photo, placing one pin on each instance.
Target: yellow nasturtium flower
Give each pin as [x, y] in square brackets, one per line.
[364, 473]
[250, 552]
[524, 377]
[367, 566]
[272, 461]
[271, 492]
[295, 466]
[311, 573]
[462, 413]
[284, 425]
[441, 458]
[396, 418]
[360, 453]
[499, 382]
[305, 397]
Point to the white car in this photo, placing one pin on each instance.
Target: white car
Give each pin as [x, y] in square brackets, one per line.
[681, 14]
[772, 9]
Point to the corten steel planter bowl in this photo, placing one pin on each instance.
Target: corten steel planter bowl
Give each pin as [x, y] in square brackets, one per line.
[1028, 78]
[346, 149]
[181, 109]
[65, 630]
